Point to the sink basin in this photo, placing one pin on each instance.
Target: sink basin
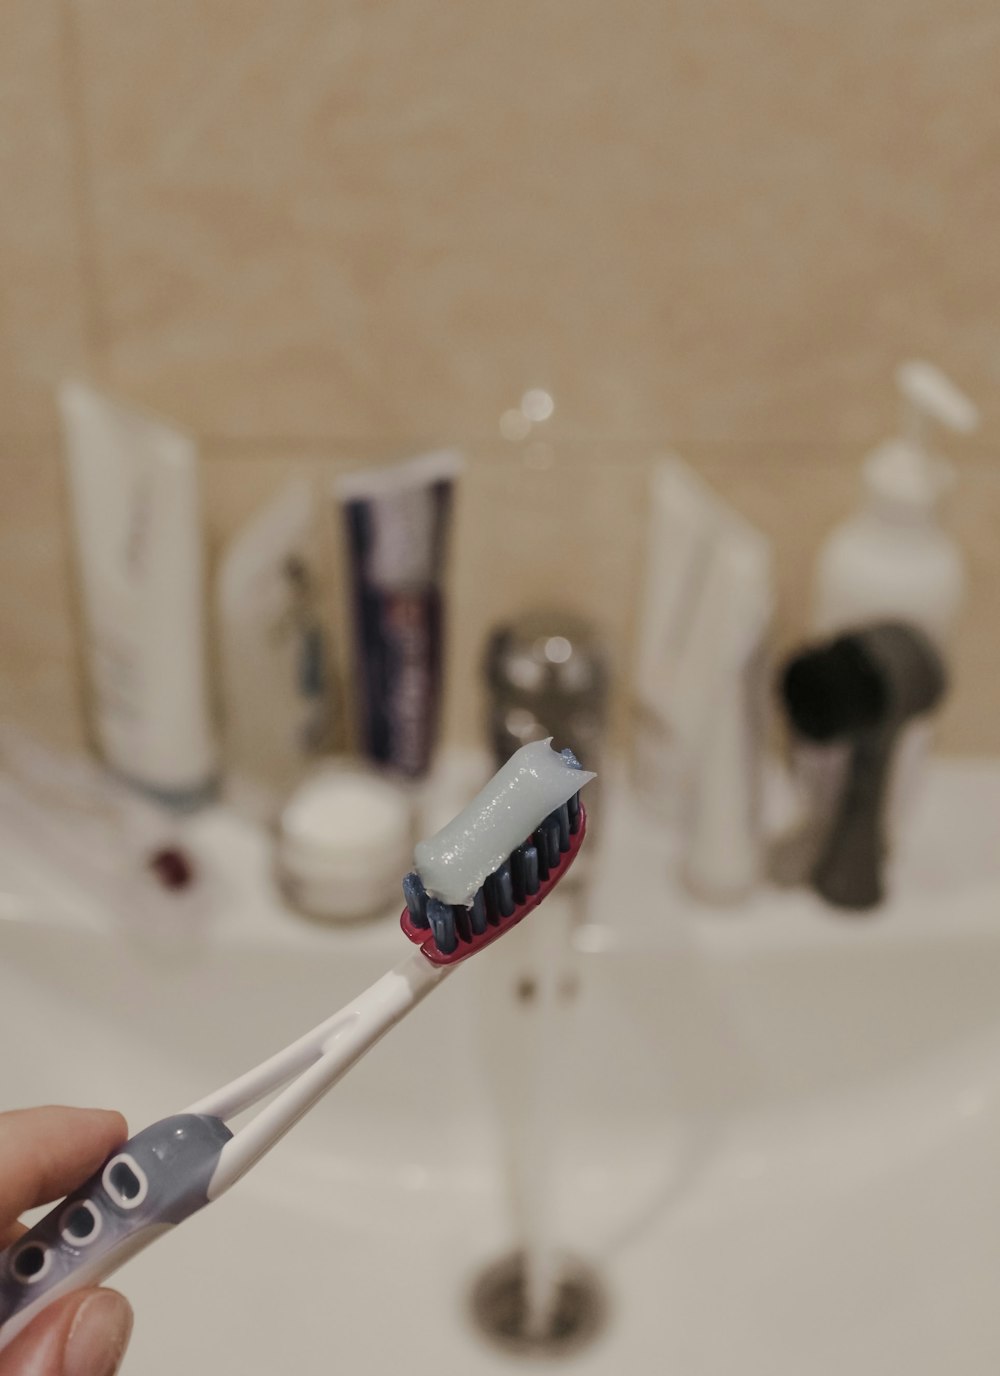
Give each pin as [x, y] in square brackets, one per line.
[777, 1131]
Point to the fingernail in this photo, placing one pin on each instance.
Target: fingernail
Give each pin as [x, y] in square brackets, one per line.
[98, 1335]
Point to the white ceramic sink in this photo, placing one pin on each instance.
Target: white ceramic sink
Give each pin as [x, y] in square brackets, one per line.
[777, 1132]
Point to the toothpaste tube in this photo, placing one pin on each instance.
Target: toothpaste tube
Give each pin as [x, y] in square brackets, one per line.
[396, 521]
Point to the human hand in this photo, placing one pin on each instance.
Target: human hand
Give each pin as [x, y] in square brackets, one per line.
[45, 1153]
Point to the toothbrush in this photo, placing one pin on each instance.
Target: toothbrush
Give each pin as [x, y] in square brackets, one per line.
[473, 881]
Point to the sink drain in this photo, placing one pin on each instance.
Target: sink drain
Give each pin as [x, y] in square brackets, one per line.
[500, 1314]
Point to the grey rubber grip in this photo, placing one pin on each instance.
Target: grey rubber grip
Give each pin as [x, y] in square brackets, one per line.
[156, 1179]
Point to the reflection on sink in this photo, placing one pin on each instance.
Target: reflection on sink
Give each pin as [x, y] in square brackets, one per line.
[778, 1133]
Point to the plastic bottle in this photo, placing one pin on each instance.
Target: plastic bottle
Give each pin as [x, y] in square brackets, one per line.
[274, 655]
[706, 616]
[134, 501]
[893, 558]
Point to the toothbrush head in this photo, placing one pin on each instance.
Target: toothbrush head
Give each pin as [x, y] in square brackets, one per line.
[499, 858]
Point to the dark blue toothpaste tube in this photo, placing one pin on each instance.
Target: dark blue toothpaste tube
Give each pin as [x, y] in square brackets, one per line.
[397, 520]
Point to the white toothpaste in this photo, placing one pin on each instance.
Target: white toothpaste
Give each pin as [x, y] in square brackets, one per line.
[534, 782]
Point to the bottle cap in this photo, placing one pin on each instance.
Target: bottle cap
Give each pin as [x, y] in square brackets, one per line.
[907, 475]
[905, 479]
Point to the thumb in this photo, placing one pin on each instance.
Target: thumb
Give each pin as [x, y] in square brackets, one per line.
[84, 1334]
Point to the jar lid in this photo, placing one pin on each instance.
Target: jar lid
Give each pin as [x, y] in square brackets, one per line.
[343, 816]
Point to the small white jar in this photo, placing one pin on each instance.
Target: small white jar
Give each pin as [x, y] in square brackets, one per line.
[345, 841]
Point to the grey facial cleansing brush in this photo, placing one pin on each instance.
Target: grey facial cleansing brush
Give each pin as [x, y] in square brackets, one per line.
[863, 688]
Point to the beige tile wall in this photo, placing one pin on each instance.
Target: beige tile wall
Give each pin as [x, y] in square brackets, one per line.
[327, 231]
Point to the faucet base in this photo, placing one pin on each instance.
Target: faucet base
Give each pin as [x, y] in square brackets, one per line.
[500, 1313]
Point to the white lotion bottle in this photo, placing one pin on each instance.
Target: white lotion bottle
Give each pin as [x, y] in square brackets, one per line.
[133, 483]
[893, 559]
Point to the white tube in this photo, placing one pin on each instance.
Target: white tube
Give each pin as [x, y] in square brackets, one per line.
[396, 520]
[134, 491]
[724, 681]
[707, 612]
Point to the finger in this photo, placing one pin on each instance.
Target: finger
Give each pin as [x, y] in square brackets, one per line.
[11, 1234]
[84, 1334]
[46, 1152]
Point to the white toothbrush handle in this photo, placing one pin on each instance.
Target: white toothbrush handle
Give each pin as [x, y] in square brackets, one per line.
[337, 1046]
[175, 1167]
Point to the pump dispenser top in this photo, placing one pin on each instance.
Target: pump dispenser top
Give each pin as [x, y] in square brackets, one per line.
[906, 476]
[893, 558]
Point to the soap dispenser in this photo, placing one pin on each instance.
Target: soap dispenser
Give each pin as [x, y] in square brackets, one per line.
[893, 558]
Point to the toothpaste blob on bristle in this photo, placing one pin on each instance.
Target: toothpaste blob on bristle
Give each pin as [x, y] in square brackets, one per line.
[534, 782]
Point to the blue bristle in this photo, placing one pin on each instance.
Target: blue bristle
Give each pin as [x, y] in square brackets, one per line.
[542, 849]
[573, 807]
[530, 854]
[490, 895]
[416, 899]
[517, 875]
[463, 921]
[477, 913]
[441, 919]
[570, 758]
[550, 829]
[504, 890]
[562, 818]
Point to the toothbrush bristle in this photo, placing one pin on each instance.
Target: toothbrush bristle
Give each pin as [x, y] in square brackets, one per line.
[447, 933]
[562, 820]
[551, 829]
[463, 922]
[541, 848]
[489, 892]
[441, 917]
[416, 899]
[517, 884]
[477, 911]
[531, 875]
